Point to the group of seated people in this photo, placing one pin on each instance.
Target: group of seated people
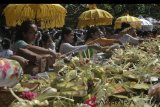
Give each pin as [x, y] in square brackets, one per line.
[34, 59]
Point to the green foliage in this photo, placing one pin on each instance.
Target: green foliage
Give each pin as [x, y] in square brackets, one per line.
[117, 10]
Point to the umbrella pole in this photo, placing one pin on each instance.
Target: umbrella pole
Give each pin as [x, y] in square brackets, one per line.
[36, 22]
[95, 22]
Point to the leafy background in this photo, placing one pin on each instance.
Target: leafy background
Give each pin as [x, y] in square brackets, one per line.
[74, 11]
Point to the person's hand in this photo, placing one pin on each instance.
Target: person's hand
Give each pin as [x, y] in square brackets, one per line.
[119, 42]
[96, 46]
[122, 46]
[23, 62]
[59, 56]
[53, 53]
[141, 40]
[115, 46]
[26, 61]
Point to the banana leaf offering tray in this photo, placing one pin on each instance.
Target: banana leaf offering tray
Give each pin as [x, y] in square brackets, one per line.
[128, 78]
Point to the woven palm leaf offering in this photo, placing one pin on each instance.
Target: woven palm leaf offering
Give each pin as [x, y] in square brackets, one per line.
[125, 79]
[30, 99]
[45, 94]
[136, 65]
[69, 82]
[79, 80]
[140, 87]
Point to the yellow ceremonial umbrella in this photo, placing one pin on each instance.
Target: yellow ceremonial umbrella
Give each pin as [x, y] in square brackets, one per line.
[134, 22]
[49, 15]
[94, 16]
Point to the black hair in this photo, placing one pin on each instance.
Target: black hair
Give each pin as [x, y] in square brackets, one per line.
[6, 43]
[25, 26]
[124, 25]
[75, 38]
[45, 37]
[139, 32]
[109, 30]
[117, 31]
[155, 31]
[56, 35]
[145, 34]
[65, 31]
[102, 28]
[91, 30]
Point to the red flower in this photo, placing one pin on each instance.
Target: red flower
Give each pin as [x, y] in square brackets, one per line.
[28, 95]
[91, 102]
[5, 68]
[87, 60]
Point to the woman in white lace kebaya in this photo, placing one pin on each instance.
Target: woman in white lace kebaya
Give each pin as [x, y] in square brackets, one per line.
[67, 39]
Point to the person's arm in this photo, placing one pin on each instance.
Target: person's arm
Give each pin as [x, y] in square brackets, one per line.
[68, 48]
[36, 49]
[94, 46]
[129, 39]
[40, 50]
[132, 32]
[106, 41]
[23, 62]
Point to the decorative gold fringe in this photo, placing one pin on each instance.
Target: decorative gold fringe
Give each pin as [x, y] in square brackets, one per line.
[135, 22]
[50, 15]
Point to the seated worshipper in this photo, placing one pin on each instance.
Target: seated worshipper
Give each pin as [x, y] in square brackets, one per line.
[154, 33]
[47, 42]
[10, 73]
[67, 39]
[126, 28]
[6, 52]
[140, 33]
[78, 38]
[36, 55]
[127, 34]
[93, 36]
[38, 38]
